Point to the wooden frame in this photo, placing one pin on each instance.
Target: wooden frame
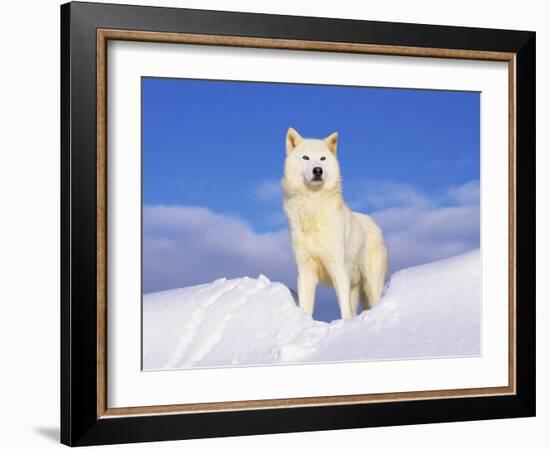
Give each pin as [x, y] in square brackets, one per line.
[86, 29]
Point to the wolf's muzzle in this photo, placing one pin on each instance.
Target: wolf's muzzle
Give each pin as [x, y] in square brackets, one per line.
[317, 173]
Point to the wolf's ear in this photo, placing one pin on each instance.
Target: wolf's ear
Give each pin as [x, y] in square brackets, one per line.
[293, 139]
[331, 142]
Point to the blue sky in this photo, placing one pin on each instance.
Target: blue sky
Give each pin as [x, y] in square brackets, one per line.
[213, 154]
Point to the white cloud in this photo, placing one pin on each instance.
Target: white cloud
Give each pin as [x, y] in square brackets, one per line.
[185, 245]
[416, 234]
[380, 194]
[269, 190]
[465, 194]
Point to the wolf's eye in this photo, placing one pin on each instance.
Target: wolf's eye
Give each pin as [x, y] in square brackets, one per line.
[323, 158]
[305, 158]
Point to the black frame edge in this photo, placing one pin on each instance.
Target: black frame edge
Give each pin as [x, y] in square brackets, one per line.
[276, 26]
[65, 360]
[526, 222]
[301, 419]
[78, 217]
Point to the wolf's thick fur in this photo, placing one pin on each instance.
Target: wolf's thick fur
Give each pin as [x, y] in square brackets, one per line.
[331, 244]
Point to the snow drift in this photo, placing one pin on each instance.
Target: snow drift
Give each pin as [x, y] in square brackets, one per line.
[430, 310]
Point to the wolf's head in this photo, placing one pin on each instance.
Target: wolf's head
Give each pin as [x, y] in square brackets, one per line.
[311, 164]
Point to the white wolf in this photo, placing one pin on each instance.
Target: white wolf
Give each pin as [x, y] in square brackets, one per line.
[331, 244]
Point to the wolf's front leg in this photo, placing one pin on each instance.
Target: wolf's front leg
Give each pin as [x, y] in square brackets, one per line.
[307, 282]
[341, 282]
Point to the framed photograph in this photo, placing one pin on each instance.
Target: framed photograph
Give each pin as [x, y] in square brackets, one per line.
[280, 224]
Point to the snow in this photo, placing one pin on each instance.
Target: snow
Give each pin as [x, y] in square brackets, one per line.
[431, 310]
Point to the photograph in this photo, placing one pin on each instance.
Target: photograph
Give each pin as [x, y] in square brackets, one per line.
[287, 223]
[281, 222]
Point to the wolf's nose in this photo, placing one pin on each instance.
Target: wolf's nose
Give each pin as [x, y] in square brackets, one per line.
[317, 171]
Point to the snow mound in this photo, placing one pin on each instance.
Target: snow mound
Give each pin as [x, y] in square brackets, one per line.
[430, 310]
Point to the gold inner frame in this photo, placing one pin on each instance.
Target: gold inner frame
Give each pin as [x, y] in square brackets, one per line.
[104, 35]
